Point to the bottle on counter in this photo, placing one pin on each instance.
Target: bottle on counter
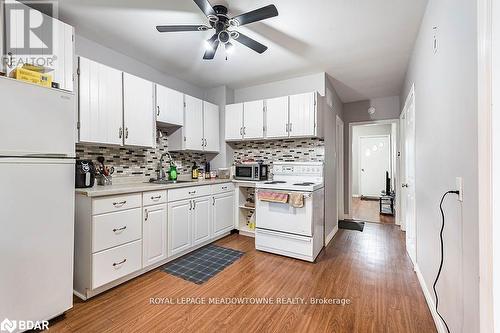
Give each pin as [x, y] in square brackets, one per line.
[201, 174]
[207, 170]
[194, 171]
[172, 173]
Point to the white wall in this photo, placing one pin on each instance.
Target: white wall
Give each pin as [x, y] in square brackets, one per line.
[297, 85]
[100, 53]
[364, 130]
[446, 147]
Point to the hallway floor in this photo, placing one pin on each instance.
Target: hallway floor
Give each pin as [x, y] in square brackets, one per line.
[369, 268]
[368, 210]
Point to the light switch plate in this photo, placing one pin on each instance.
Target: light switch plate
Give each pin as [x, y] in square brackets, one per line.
[460, 188]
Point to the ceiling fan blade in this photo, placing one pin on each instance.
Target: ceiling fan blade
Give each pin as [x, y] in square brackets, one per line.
[214, 43]
[205, 7]
[251, 43]
[256, 15]
[179, 28]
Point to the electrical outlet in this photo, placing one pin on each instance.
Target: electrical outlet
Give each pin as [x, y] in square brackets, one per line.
[460, 188]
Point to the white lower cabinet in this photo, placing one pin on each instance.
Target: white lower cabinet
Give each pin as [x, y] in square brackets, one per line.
[154, 234]
[201, 220]
[179, 226]
[222, 213]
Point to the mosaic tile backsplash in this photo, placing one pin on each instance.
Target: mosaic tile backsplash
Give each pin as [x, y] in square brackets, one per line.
[137, 162]
[288, 150]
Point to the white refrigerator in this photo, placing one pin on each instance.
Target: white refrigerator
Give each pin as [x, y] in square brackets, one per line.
[37, 166]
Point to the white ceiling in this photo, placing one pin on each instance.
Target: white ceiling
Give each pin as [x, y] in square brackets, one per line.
[364, 45]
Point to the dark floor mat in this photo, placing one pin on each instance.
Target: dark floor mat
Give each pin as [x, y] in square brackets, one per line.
[351, 225]
[201, 265]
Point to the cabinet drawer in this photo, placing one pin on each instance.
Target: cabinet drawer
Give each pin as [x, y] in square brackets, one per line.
[188, 192]
[116, 203]
[154, 198]
[221, 188]
[117, 228]
[115, 263]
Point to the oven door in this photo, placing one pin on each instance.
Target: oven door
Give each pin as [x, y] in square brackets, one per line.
[283, 217]
[245, 172]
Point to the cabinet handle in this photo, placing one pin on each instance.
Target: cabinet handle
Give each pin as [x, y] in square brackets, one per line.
[213, 201]
[224, 187]
[119, 263]
[194, 204]
[190, 205]
[244, 130]
[120, 133]
[290, 127]
[156, 198]
[241, 130]
[120, 229]
[192, 192]
[119, 204]
[158, 110]
[147, 215]
[126, 132]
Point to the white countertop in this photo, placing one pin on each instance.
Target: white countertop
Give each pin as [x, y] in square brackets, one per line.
[98, 191]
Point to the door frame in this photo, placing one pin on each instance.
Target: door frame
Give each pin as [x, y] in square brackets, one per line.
[340, 167]
[348, 203]
[359, 156]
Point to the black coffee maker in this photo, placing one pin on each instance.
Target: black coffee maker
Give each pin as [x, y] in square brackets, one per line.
[84, 174]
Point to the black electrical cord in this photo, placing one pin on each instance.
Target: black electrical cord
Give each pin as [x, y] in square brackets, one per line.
[442, 256]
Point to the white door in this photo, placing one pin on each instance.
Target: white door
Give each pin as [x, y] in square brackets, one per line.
[201, 220]
[234, 121]
[277, 117]
[253, 120]
[138, 111]
[340, 167]
[408, 182]
[302, 115]
[62, 37]
[179, 226]
[169, 106]
[154, 234]
[211, 127]
[193, 123]
[222, 213]
[100, 103]
[374, 162]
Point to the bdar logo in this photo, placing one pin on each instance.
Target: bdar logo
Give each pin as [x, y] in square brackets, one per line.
[7, 325]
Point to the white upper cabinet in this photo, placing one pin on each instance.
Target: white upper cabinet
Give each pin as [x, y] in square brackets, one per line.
[303, 113]
[100, 98]
[211, 127]
[193, 124]
[253, 116]
[277, 117]
[234, 122]
[169, 106]
[138, 114]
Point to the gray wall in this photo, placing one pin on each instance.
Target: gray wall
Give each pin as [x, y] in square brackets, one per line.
[446, 147]
[94, 51]
[387, 108]
[358, 131]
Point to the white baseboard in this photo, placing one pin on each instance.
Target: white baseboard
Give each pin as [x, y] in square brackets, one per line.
[430, 301]
[330, 236]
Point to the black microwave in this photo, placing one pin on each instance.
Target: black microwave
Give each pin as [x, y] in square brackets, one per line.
[251, 171]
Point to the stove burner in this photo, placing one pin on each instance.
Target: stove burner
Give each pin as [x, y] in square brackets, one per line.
[304, 184]
[275, 182]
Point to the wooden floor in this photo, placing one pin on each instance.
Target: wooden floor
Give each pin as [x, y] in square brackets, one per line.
[369, 210]
[369, 268]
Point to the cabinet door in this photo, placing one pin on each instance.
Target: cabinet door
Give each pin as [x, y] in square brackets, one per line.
[253, 120]
[302, 115]
[211, 127]
[222, 213]
[193, 124]
[169, 106]
[100, 103]
[179, 226]
[138, 114]
[234, 121]
[154, 234]
[277, 117]
[201, 220]
[62, 53]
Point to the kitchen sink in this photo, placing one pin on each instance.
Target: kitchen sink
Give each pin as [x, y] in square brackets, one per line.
[165, 181]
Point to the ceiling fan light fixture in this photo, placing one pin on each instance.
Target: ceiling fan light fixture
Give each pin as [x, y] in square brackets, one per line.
[208, 45]
[229, 48]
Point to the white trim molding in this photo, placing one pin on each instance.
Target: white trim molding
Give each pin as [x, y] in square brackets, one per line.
[332, 234]
[430, 301]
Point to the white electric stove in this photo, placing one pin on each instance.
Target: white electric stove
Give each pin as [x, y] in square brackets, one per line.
[287, 230]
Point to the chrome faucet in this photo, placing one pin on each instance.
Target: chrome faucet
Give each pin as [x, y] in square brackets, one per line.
[161, 172]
